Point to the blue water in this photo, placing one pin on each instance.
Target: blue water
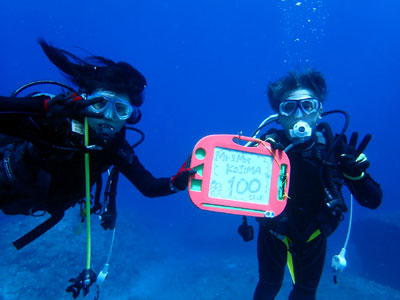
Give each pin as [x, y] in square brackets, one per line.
[207, 64]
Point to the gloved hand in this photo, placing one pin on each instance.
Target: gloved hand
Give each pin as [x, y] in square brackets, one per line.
[353, 162]
[85, 279]
[70, 105]
[181, 180]
[107, 219]
[246, 231]
[274, 144]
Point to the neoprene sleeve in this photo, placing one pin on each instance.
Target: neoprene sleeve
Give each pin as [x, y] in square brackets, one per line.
[26, 105]
[366, 191]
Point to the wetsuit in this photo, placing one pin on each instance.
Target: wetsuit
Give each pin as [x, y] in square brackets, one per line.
[298, 237]
[42, 161]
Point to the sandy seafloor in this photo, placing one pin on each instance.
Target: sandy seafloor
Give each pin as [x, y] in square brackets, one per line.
[145, 265]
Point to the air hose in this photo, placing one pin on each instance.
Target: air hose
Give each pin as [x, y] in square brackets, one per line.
[339, 262]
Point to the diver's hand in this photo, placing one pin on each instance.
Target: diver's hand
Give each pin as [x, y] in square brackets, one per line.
[70, 105]
[107, 220]
[352, 162]
[245, 230]
[181, 180]
[274, 144]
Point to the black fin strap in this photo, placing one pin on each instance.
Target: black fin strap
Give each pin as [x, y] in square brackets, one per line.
[37, 231]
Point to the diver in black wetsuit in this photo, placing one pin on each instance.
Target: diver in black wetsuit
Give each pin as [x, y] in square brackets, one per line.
[42, 148]
[320, 164]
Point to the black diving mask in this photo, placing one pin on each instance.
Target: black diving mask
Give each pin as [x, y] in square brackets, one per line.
[308, 106]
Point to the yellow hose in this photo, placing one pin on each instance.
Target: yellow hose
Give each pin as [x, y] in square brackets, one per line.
[87, 206]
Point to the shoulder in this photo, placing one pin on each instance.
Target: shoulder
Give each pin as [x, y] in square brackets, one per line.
[125, 153]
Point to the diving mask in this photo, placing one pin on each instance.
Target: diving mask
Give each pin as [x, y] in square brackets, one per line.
[299, 113]
[111, 105]
[308, 106]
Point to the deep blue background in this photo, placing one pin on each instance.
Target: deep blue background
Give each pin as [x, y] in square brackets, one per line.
[207, 64]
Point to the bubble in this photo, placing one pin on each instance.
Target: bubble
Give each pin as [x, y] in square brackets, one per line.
[303, 22]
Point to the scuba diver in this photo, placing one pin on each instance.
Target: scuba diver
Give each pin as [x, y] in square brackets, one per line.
[42, 145]
[321, 163]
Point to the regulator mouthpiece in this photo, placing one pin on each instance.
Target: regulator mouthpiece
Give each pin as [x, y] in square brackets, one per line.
[300, 131]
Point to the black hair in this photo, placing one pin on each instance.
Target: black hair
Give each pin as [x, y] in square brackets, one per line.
[311, 80]
[99, 73]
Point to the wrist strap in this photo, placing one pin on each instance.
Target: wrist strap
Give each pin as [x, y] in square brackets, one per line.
[354, 178]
